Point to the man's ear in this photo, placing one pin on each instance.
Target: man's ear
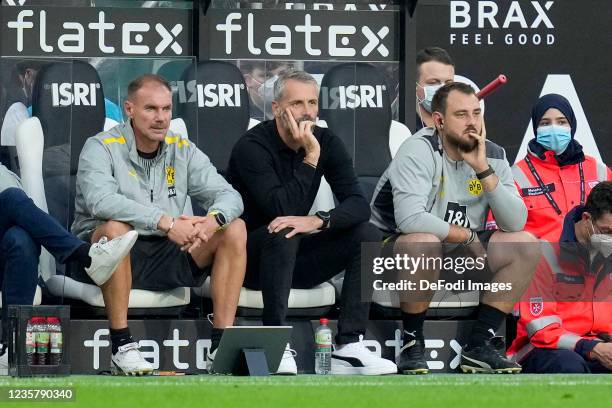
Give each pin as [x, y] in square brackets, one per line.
[276, 109]
[438, 120]
[586, 216]
[128, 107]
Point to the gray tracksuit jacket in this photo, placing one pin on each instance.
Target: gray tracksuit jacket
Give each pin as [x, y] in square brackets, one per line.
[8, 179]
[424, 190]
[111, 185]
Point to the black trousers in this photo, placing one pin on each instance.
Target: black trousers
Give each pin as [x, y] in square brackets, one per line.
[277, 264]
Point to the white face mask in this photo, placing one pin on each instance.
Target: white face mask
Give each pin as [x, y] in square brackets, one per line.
[266, 89]
[601, 243]
[266, 92]
[429, 91]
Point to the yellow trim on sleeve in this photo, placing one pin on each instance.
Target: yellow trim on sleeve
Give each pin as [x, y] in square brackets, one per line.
[178, 140]
[172, 140]
[109, 140]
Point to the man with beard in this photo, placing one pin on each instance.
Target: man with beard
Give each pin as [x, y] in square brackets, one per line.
[277, 167]
[438, 190]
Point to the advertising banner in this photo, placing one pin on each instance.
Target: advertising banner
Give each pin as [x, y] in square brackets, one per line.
[542, 47]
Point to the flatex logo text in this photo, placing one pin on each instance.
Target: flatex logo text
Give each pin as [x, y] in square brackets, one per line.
[309, 35]
[89, 32]
[518, 23]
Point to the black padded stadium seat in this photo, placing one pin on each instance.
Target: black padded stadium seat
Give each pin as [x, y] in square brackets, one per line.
[172, 71]
[219, 114]
[355, 103]
[68, 99]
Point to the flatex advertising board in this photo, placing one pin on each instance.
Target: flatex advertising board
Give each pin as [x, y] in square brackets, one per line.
[48, 31]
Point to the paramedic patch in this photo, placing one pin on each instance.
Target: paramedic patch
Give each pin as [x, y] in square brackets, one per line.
[536, 191]
[536, 306]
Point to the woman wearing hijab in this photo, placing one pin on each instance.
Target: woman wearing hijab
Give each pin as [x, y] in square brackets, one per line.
[555, 176]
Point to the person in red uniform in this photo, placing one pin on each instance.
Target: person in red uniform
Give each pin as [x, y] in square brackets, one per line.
[565, 323]
[555, 176]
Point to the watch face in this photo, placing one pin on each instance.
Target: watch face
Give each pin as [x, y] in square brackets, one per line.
[220, 219]
[324, 215]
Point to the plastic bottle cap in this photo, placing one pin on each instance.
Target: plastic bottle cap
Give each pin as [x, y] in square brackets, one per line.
[323, 321]
[53, 320]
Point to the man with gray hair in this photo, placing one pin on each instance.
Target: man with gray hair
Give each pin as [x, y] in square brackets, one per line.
[277, 166]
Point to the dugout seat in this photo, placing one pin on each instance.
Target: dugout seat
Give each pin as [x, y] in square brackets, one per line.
[215, 108]
[68, 108]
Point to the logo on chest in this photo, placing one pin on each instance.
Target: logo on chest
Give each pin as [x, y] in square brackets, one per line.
[170, 181]
[457, 214]
[474, 187]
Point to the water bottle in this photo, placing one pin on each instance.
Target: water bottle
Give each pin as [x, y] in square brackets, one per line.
[56, 343]
[41, 337]
[323, 347]
[30, 343]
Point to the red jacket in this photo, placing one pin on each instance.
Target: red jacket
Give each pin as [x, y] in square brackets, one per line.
[564, 186]
[569, 301]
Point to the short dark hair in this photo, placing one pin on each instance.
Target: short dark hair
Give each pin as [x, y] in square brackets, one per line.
[599, 201]
[24, 65]
[142, 80]
[248, 66]
[432, 54]
[438, 104]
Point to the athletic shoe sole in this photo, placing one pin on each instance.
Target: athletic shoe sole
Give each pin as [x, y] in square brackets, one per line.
[343, 370]
[132, 237]
[115, 370]
[286, 373]
[416, 371]
[479, 370]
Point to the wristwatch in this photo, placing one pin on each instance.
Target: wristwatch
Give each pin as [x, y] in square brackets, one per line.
[325, 217]
[220, 218]
[485, 173]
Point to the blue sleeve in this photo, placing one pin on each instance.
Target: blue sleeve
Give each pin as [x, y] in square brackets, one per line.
[113, 111]
[584, 347]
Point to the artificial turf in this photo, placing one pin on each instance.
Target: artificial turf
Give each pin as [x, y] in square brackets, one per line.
[439, 390]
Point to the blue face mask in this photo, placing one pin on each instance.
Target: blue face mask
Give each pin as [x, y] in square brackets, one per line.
[429, 91]
[555, 138]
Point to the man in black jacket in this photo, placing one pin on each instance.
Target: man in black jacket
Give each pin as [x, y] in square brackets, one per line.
[277, 167]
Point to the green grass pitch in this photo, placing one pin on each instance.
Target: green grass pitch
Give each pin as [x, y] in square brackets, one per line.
[437, 390]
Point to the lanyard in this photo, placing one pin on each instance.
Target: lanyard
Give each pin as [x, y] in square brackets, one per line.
[582, 188]
[549, 197]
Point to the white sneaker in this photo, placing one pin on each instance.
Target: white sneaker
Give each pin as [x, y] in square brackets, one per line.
[106, 256]
[210, 359]
[287, 364]
[4, 363]
[355, 358]
[129, 361]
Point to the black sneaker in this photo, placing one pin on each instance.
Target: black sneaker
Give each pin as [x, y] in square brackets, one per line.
[487, 359]
[412, 358]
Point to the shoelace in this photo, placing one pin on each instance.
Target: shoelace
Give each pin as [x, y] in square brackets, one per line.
[127, 347]
[356, 345]
[291, 351]
[103, 244]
